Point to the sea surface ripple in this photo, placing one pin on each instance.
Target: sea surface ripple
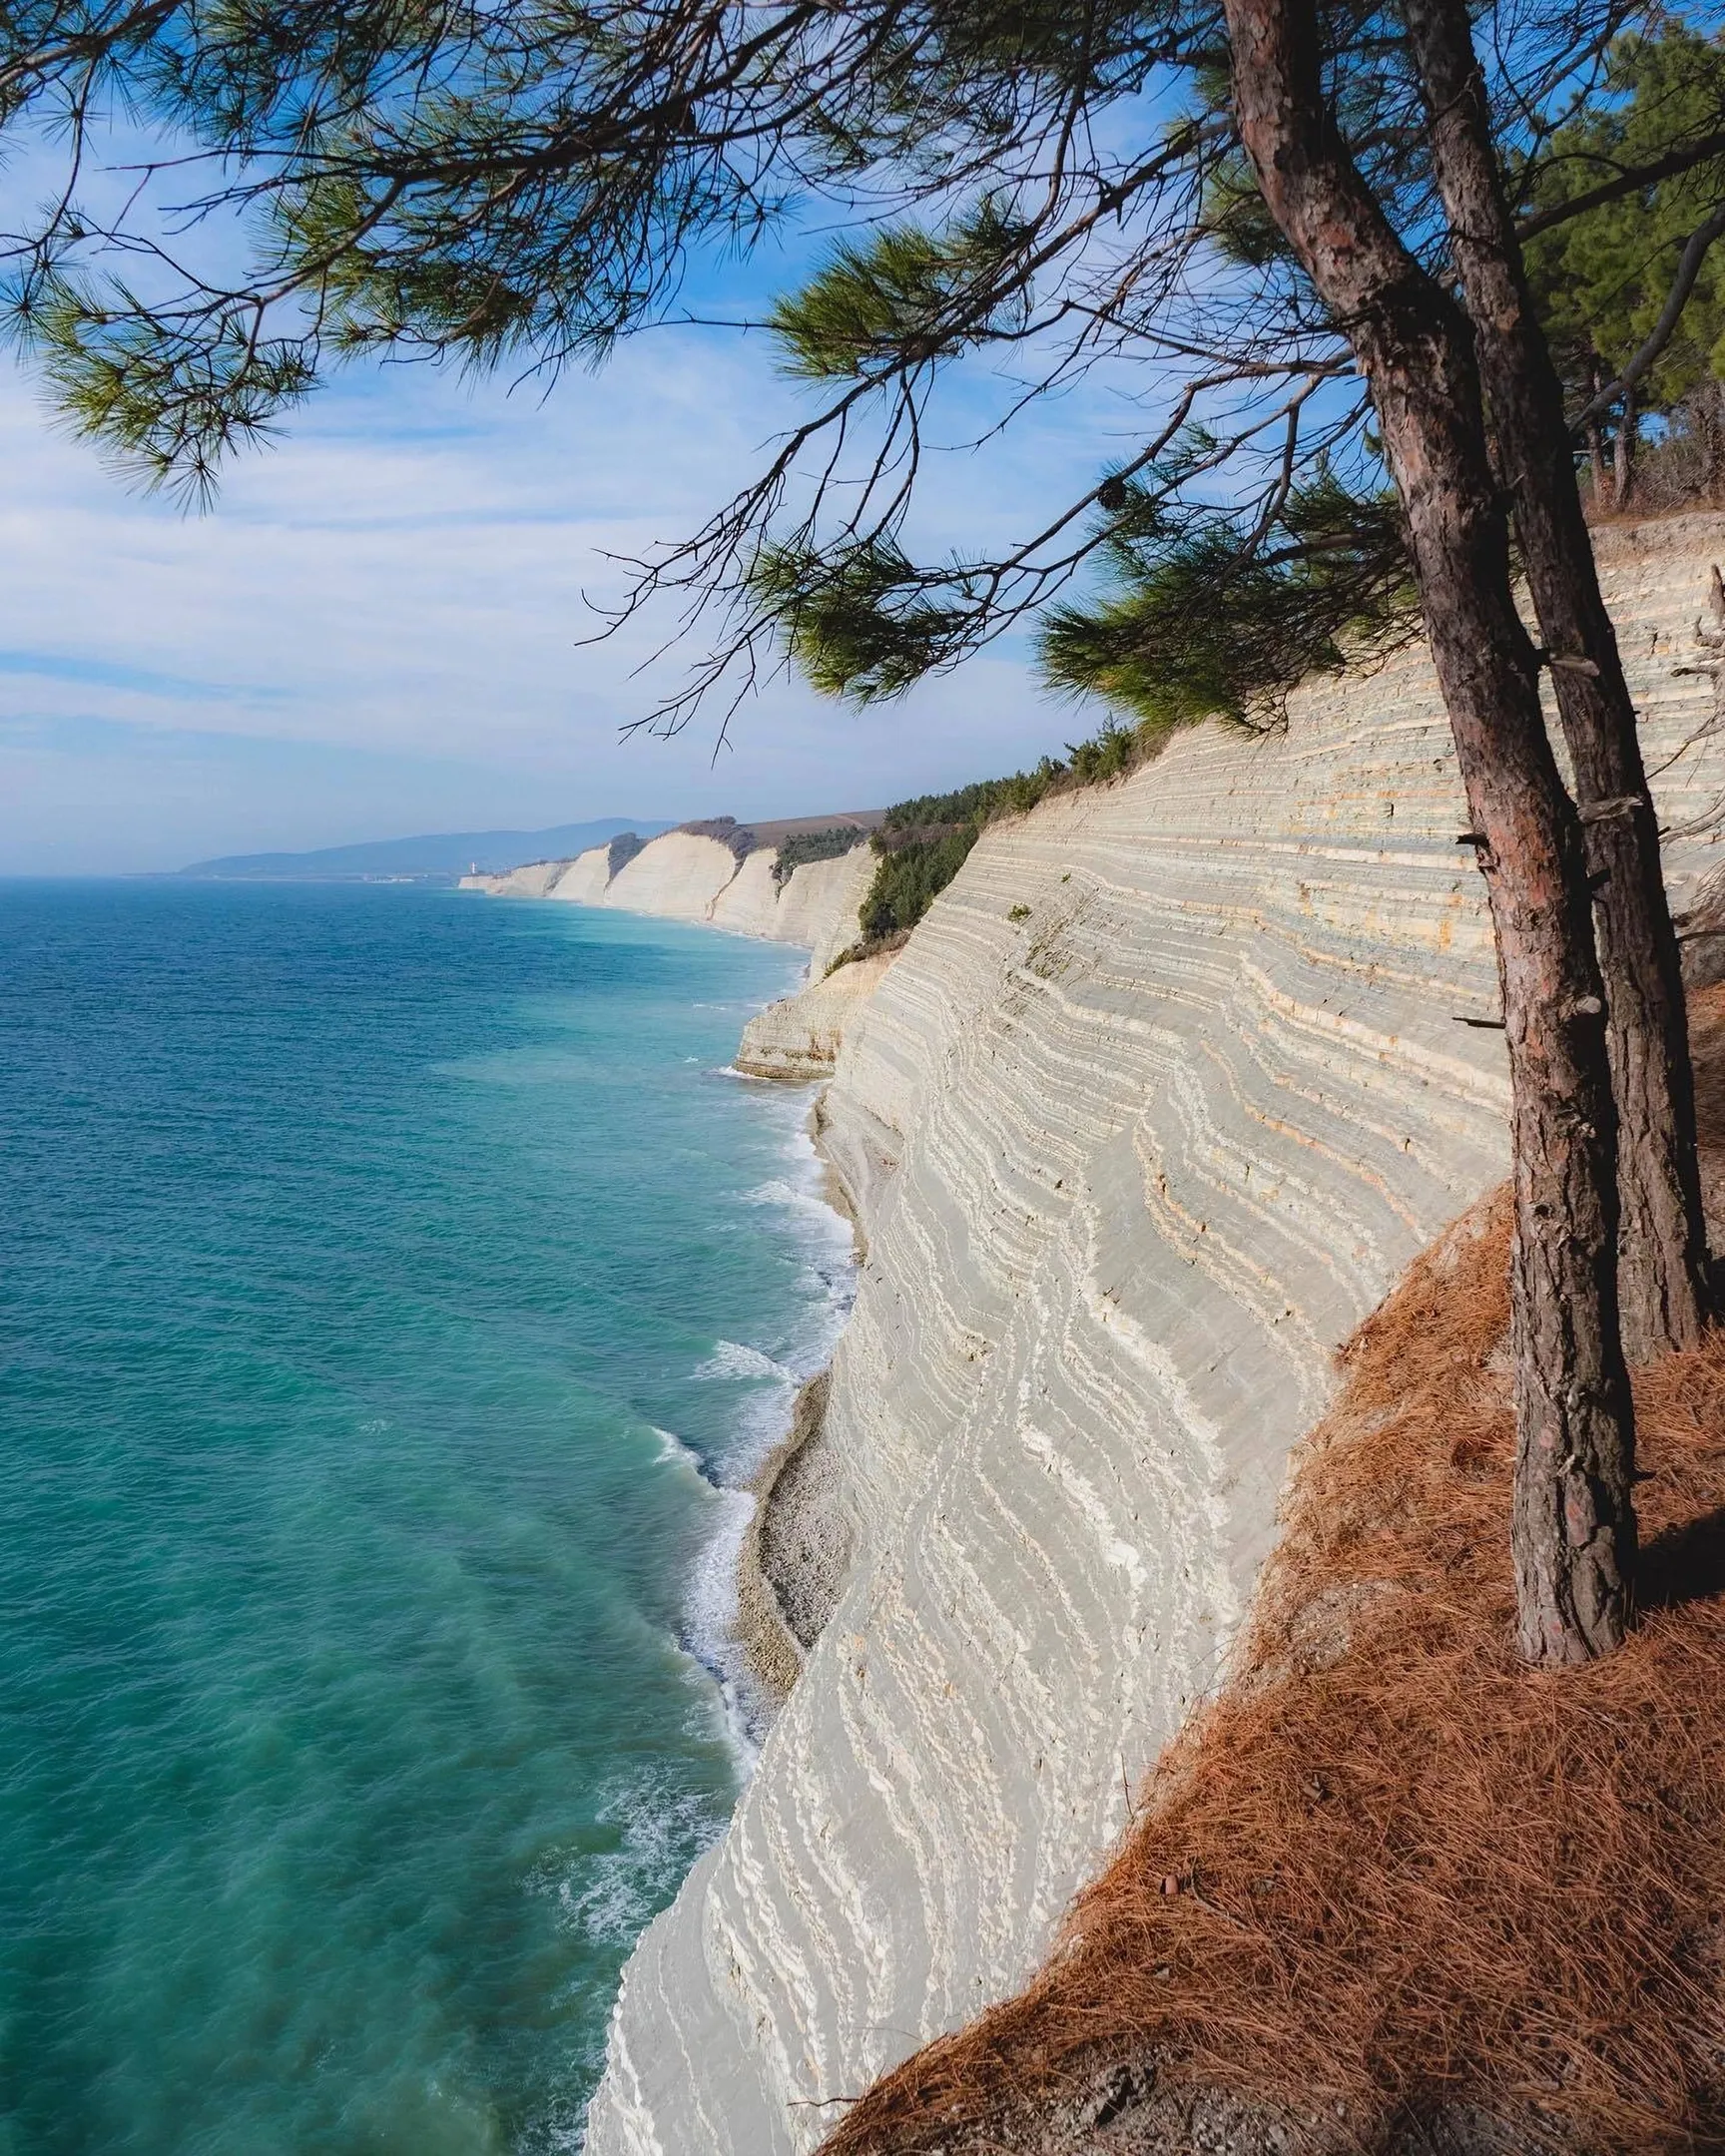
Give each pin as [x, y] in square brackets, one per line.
[396, 1289]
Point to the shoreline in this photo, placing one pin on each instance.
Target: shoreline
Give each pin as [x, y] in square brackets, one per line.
[790, 1557]
[760, 1589]
[781, 1569]
[793, 1552]
[764, 1632]
[735, 1623]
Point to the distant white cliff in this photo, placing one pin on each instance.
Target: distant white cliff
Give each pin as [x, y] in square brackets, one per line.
[1151, 1110]
[725, 883]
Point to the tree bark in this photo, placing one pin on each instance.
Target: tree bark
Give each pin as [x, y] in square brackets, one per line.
[1573, 1529]
[1662, 1236]
[1596, 448]
[1624, 455]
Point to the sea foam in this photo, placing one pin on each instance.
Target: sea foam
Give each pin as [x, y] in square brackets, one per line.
[822, 1239]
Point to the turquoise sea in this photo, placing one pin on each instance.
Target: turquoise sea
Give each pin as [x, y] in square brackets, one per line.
[389, 1283]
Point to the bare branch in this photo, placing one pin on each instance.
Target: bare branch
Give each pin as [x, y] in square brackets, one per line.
[1670, 314]
[1628, 181]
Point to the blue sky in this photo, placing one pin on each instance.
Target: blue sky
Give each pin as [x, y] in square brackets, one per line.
[376, 631]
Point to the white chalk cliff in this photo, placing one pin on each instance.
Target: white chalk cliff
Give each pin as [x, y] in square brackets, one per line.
[799, 1037]
[533, 879]
[1129, 1165]
[691, 877]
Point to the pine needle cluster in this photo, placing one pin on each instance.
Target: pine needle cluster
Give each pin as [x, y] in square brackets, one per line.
[1207, 619]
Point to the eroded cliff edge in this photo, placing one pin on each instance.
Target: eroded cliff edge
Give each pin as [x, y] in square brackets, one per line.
[1129, 1164]
[721, 874]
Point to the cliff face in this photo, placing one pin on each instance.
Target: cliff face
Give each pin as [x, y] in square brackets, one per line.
[532, 881]
[816, 907]
[799, 1037]
[584, 879]
[680, 876]
[1129, 1168]
[691, 877]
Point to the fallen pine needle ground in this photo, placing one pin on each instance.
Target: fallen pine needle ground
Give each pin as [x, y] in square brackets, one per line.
[1390, 1872]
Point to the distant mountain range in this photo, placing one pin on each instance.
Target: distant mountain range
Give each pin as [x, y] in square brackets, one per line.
[439, 857]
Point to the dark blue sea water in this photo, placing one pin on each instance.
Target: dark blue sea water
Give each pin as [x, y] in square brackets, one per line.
[377, 1270]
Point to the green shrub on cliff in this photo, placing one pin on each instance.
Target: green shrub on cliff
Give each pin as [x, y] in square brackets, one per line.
[924, 841]
[986, 798]
[911, 875]
[804, 847]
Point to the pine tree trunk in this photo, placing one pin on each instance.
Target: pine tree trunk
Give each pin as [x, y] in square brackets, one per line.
[1662, 1236]
[1596, 447]
[1624, 455]
[1573, 1527]
[1596, 463]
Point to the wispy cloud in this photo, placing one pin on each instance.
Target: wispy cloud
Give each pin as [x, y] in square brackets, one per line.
[377, 629]
[112, 673]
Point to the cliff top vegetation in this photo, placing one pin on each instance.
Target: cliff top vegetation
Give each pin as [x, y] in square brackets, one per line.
[725, 830]
[923, 843]
[814, 846]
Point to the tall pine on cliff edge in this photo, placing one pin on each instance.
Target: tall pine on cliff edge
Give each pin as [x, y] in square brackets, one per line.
[1293, 232]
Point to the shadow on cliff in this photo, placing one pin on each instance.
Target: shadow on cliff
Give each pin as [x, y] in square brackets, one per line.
[1391, 1891]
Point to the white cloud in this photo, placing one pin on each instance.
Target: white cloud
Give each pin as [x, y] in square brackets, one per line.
[376, 631]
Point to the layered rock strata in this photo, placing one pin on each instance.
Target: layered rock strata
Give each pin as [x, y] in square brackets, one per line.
[1161, 1096]
[799, 1037]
